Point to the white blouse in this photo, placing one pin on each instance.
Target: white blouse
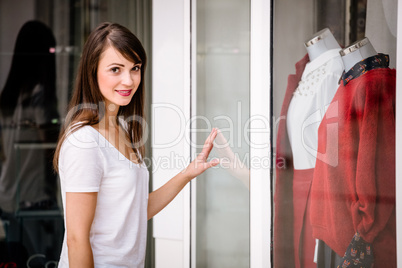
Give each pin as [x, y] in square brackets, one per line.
[311, 98]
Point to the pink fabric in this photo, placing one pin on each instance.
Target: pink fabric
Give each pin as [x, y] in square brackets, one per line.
[303, 243]
[283, 198]
[354, 180]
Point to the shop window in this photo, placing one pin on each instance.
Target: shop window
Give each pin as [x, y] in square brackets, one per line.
[334, 145]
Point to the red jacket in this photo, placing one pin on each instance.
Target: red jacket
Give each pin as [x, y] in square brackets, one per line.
[354, 179]
[283, 198]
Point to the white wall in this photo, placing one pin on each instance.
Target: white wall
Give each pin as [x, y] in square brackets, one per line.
[381, 25]
[170, 95]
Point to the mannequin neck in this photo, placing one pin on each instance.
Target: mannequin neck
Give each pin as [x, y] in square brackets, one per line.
[356, 52]
[320, 43]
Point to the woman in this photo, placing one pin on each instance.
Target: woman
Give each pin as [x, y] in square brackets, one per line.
[99, 157]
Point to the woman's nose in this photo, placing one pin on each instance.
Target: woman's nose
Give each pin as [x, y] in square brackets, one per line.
[127, 79]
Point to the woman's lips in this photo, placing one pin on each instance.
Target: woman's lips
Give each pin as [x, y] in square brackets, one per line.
[124, 93]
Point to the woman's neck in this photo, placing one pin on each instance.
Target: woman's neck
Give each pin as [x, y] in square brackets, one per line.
[321, 42]
[109, 120]
[356, 52]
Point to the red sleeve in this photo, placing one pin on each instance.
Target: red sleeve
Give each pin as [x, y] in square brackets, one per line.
[375, 167]
[283, 198]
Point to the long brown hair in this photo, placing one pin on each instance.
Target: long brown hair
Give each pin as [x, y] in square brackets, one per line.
[85, 106]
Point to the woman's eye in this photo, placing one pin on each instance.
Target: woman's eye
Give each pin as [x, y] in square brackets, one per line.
[137, 68]
[115, 69]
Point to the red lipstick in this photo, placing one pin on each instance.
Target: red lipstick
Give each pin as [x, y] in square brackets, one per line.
[124, 93]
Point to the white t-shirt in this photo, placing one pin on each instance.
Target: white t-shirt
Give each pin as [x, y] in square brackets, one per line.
[89, 163]
[310, 101]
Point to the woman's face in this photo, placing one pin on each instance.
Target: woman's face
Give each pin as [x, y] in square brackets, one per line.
[118, 78]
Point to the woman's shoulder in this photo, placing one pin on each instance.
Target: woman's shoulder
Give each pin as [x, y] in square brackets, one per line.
[81, 136]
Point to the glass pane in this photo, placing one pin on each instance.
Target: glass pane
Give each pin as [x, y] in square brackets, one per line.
[222, 217]
[334, 133]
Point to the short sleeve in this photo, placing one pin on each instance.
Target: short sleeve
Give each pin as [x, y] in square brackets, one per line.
[81, 163]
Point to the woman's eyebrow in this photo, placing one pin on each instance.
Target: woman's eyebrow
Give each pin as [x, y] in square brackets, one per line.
[122, 65]
[118, 64]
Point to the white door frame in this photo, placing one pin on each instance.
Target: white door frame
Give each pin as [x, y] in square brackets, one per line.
[260, 177]
[260, 109]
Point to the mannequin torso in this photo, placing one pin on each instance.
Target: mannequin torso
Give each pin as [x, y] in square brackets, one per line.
[314, 92]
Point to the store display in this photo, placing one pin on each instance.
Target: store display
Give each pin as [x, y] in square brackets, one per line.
[353, 188]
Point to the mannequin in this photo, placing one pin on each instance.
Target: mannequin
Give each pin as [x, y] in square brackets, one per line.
[320, 43]
[356, 52]
[303, 113]
[353, 202]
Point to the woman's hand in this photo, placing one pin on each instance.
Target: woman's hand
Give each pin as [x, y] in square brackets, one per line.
[159, 198]
[200, 163]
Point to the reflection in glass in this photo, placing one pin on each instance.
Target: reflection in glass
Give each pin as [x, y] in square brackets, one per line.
[222, 217]
[29, 118]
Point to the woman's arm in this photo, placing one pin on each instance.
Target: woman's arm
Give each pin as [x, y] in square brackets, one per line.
[161, 197]
[80, 211]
